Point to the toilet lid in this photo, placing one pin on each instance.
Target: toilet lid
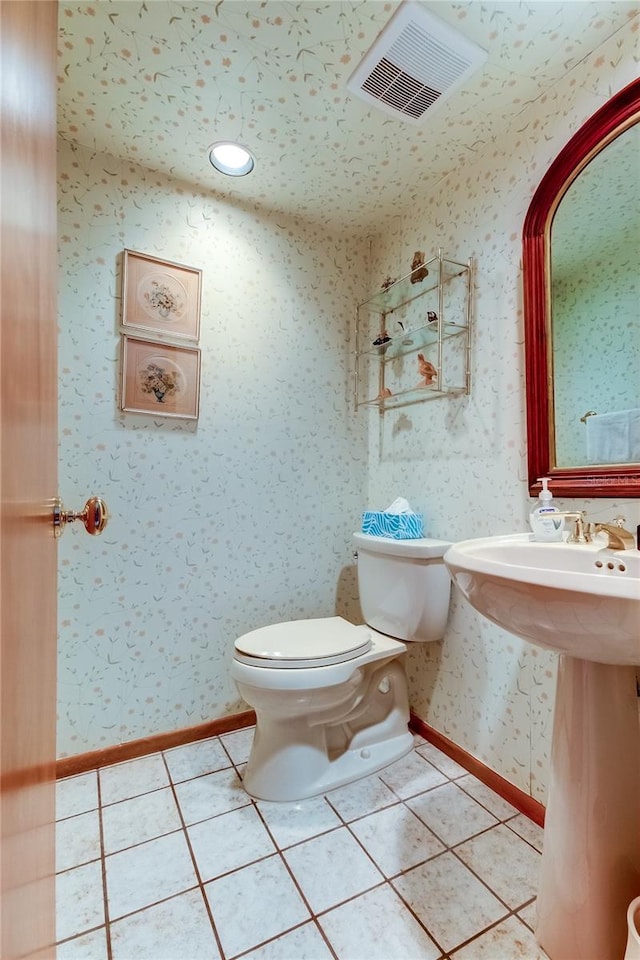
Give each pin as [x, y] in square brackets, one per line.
[303, 643]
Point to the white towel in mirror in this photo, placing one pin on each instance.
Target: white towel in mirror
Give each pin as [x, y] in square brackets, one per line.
[614, 437]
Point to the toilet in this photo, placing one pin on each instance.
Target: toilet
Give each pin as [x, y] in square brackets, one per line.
[633, 931]
[330, 697]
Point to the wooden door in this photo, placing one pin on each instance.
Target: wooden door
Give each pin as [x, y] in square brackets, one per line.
[28, 476]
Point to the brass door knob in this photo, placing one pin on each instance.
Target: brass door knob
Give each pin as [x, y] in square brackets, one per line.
[95, 516]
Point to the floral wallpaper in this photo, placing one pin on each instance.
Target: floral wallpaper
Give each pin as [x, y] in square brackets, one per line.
[463, 462]
[140, 80]
[245, 517]
[217, 527]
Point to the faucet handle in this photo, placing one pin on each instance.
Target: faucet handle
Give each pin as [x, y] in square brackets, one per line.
[578, 534]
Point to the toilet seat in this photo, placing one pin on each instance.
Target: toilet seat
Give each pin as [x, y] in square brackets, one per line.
[323, 641]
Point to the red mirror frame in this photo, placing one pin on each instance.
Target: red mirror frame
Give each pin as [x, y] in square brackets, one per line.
[592, 481]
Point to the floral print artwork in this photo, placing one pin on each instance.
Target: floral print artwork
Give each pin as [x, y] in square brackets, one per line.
[159, 381]
[162, 296]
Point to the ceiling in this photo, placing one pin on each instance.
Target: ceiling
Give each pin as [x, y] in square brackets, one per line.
[157, 82]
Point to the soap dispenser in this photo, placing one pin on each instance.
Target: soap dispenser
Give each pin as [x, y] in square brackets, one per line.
[546, 520]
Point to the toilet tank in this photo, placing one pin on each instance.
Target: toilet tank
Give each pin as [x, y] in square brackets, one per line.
[404, 586]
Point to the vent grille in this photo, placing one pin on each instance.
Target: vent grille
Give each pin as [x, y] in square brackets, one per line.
[401, 91]
[414, 62]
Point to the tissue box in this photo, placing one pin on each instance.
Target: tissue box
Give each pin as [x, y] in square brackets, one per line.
[395, 526]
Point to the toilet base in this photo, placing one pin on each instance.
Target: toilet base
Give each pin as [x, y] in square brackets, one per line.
[264, 783]
[337, 735]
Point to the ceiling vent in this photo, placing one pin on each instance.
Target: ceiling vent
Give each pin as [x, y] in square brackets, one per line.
[414, 64]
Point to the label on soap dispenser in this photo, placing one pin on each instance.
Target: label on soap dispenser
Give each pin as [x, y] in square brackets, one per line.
[547, 524]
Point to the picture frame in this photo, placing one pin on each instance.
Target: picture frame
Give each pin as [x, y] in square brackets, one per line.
[160, 297]
[160, 379]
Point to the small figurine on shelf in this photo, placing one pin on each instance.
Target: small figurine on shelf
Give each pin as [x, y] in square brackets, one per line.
[384, 393]
[432, 317]
[427, 371]
[418, 269]
[389, 282]
[382, 342]
[407, 341]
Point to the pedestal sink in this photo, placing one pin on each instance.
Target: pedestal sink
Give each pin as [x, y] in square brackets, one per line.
[583, 601]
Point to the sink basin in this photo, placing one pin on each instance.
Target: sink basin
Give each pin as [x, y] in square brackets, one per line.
[582, 600]
[578, 599]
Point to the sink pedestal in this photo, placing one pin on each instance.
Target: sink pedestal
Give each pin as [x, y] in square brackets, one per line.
[583, 601]
[591, 858]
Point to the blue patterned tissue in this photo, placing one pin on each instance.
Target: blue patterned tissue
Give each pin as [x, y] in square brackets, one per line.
[395, 526]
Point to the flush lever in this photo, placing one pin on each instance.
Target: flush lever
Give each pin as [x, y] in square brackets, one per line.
[94, 516]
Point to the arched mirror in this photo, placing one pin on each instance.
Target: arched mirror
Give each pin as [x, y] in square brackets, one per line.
[581, 266]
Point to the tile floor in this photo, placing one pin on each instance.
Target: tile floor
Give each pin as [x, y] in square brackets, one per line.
[166, 858]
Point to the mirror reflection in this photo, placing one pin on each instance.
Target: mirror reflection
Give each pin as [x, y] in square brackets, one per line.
[594, 258]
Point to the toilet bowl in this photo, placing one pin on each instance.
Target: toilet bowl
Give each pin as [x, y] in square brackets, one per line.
[331, 697]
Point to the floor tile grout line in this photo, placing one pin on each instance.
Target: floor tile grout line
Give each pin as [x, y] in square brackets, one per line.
[388, 880]
[347, 824]
[476, 936]
[511, 911]
[361, 816]
[216, 816]
[414, 865]
[444, 842]
[410, 909]
[231, 760]
[141, 843]
[298, 843]
[491, 926]
[342, 821]
[178, 783]
[317, 916]
[136, 796]
[384, 881]
[78, 936]
[155, 903]
[249, 801]
[469, 794]
[452, 848]
[325, 937]
[277, 852]
[297, 926]
[198, 875]
[532, 845]
[453, 780]
[447, 848]
[294, 880]
[78, 813]
[205, 773]
[198, 776]
[485, 882]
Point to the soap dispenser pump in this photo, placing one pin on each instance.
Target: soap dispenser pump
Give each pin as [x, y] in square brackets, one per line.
[546, 520]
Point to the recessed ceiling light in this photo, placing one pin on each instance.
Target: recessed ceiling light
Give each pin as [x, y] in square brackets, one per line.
[231, 158]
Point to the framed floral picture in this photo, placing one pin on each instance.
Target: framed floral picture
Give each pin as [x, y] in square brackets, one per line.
[160, 297]
[161, 379]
